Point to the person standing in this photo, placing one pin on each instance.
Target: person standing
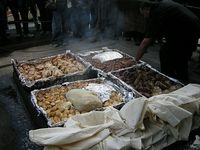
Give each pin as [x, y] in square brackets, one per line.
[13, 5]
[109, 21]
[80, 18]
[33, 11]
[94, 13]
[59, 22]
[181, 29]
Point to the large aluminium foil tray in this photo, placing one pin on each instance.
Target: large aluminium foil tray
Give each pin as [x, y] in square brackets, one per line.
[50, 101]
[51, 80]
[147, 80]
[111, 65]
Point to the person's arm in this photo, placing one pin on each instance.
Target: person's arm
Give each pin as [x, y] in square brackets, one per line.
[142, 48]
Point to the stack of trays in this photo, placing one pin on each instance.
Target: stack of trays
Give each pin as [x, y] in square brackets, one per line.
[110, 65]
[147, 80]
[56, 108]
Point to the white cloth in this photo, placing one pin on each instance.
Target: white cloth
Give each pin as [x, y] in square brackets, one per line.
[142, 123]
[107, 56]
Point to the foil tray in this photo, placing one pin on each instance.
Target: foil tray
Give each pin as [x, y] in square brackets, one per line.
[125, 91]
[147, 80]
[111, 65]
[45, 82]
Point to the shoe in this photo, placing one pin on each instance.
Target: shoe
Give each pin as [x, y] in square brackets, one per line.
[93, 39]
[45, 34]
[19, 36]
[127, 38]
[53, 44]
[28, 35]
[37, 26]
[58, 44]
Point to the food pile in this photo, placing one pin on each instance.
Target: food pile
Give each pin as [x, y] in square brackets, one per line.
[52, 67]
[60, 102]
[147, 81]
[58, 108]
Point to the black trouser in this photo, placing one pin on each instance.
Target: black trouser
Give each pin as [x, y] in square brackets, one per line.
[22, 7]
[2, 21]
[45, 15]
[33, 10]
[174, 56]
[94, 13]
[80, 22]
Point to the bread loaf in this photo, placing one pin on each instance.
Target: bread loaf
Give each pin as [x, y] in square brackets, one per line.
[83, 100]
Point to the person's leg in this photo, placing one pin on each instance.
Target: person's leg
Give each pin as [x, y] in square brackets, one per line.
[84, 23]
[94, 13]
[45, 16]
[40, 5]
[33, 10]
[181, 68]
[2, 22]
[75, 23]
[56, 27]
[67, 18]
[65, 23]
[23, 9]
[48, 20]
[6, 21]
[167, 61]
[63, 15]
[15, 12]
[184, 54]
